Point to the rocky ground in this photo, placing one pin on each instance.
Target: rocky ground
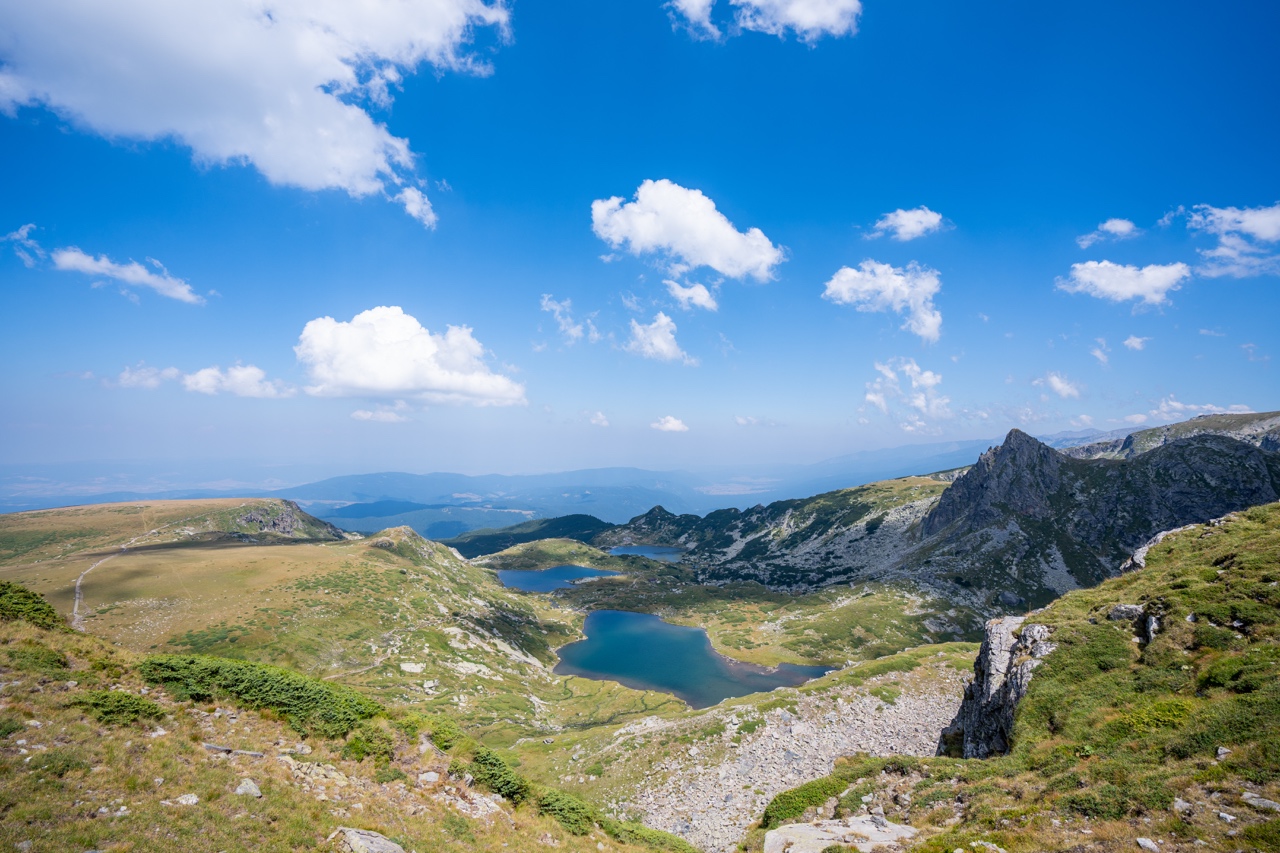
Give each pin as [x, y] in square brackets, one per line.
[711, 793]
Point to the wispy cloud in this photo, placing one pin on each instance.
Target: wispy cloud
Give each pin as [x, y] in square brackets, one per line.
[1112, 229]
[880, 287]
[657, 340]
[131, 274]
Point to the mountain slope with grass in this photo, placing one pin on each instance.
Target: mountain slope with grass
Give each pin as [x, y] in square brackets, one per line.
[103, 749]
[474, 543]
[1020, 527]
[1124, 733]
[1261, 429]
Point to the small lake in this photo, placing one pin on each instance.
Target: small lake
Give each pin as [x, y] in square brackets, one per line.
[654, 552]
[545, 580]
[645, 653]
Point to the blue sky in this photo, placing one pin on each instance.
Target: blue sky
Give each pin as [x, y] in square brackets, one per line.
[664, 235]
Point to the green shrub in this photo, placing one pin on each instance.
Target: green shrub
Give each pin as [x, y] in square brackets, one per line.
[19, 603]
[389, 774]
[626, 832]
[369, 739]
[9, 725]
[445, 733]
[117, 707]
[1106, 802]
[490, 770]
[569, 811]
[310, 705]
[33, 657]
[792, 804]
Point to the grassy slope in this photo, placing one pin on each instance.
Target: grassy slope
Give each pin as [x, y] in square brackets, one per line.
[1112, 731]
[490, 541]
[73, 782]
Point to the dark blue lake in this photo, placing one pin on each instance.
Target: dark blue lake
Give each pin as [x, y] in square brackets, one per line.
[545, 580]
[653, 552]
[645, 653]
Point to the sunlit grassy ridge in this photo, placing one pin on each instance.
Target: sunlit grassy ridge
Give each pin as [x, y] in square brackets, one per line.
[93, 755]
[1113, 730]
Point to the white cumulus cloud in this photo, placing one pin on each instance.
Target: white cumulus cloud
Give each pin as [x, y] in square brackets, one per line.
[132, 274]
[1119, 282]
[1059, 384]
[915, 404]
[684, 226]
[1113, 229]
[1247, 239]
[241, 380]
[697, 16]
[906, 225]
[657, 340]
[880, 287]
[1134, 342]
[286, 86]
[669, 424]
[691, 296]
[384, 352]
[146, 377]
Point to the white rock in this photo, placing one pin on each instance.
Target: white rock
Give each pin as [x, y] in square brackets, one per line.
[249, 788]
[1148, 844]
[859, 833]
[187, 800]
[415, 668]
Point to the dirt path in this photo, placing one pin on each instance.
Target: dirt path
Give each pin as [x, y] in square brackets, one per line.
[77, 621]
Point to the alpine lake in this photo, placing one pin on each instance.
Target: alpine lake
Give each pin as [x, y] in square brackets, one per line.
[641, 651]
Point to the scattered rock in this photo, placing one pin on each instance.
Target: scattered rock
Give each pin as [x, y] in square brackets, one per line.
[350, 840]
[249, 788]
[1223, 752]
[1148, 844]
[185, 800]
[1182, 806]
[1226, 817]
[429, 778]
[1260, 802]
[213, 747]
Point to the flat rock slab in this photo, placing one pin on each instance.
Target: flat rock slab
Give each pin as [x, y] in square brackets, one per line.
[350, 840]
[862, 833]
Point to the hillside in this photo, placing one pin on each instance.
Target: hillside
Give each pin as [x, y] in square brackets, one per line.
[103, 749]
[1261, 429]
[583, 528]
[1023, 525]
[1129, 729]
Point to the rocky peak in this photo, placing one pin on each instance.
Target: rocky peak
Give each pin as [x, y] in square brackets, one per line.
[1018, 475]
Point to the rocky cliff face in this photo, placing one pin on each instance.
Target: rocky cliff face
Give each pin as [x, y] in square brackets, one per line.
[1011, 651]
[1032, 521]
[1261, 429]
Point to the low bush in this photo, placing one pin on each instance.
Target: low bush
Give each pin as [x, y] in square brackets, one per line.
[117, 707]
[490, 770]
[17, 603]
[369, 739]
[312, 706]
[570, 812]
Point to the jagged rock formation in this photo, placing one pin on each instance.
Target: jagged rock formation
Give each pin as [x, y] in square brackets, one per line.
[1030, 519]
[1259, 429]
[285, 518]
[1010, 652]
[1023, 525]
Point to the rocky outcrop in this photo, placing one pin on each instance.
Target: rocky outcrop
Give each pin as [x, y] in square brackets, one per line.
[864, 833]
[1261, 429]
[1010, 652]
[285, 518]
[348, 840]
[1035, 522]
